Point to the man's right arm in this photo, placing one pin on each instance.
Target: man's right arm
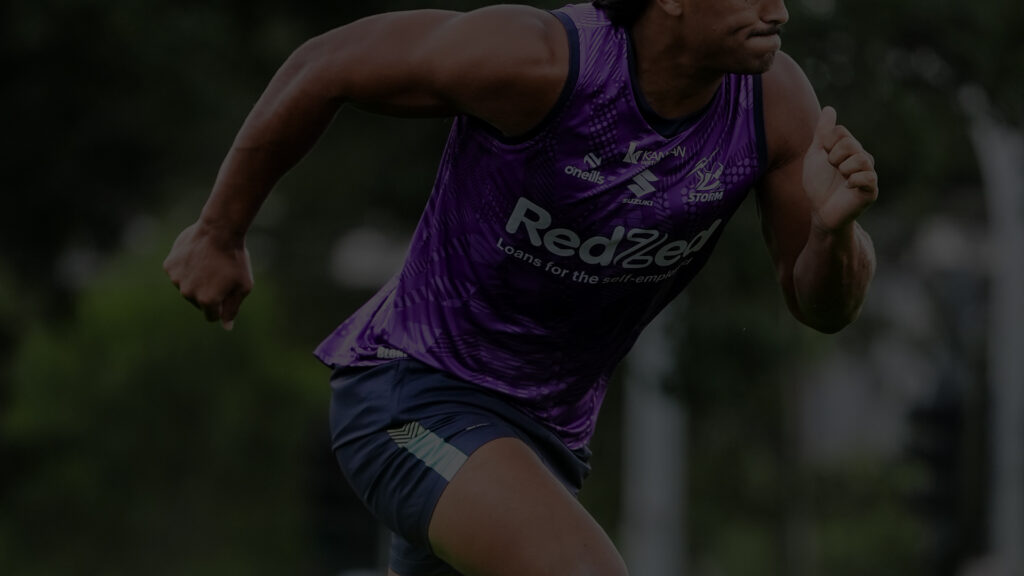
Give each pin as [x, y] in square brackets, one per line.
[504, 64]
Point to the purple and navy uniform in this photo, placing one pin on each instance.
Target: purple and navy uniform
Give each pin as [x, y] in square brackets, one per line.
[540, 259]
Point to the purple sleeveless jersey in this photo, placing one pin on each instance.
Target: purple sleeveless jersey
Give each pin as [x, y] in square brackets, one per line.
[538, 261]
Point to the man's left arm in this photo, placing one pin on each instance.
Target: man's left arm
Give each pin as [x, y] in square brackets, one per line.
[820, 180]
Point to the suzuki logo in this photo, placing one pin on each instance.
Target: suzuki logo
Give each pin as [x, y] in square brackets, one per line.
[643, 184]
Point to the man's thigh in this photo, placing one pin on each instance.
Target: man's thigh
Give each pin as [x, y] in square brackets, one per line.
[505, 514]
[402, 432]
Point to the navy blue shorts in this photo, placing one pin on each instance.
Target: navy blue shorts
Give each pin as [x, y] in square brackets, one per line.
[400, 432]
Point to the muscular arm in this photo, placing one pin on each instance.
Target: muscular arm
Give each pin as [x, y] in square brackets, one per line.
[819, 181]
[506, 65]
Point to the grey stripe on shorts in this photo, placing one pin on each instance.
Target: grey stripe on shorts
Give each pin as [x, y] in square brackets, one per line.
[439, 455]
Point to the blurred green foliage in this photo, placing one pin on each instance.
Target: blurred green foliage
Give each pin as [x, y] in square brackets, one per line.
[147, 444]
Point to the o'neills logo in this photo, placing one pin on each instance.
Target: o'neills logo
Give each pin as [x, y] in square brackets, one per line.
[629, 248]
[592, 176]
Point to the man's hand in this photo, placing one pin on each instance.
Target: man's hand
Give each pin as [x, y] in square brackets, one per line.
[839, 175]
[211, 269]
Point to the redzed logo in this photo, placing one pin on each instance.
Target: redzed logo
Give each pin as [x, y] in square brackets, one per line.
[632, 248]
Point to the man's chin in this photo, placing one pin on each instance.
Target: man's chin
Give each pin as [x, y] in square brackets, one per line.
[768, 62]
[759, 65]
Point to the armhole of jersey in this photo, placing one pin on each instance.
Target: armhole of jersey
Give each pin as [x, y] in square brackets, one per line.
[567, 89]
[759, 131]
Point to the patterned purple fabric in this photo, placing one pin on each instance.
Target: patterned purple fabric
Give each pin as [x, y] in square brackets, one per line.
[538, 261]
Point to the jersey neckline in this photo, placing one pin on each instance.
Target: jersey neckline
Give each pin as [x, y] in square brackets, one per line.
[665, 127]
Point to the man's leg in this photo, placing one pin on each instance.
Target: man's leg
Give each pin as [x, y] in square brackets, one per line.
[505, 514]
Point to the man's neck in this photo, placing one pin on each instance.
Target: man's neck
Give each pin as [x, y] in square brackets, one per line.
[672, 83]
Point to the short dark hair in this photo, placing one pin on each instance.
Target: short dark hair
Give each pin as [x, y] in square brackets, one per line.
[623, 13]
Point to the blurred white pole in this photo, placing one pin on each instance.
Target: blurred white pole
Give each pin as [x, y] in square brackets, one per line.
[1000, 151]
[654, 457]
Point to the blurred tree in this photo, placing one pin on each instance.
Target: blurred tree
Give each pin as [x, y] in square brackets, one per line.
[146, 442]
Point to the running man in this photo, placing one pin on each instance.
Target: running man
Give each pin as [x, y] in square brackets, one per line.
[596, 155]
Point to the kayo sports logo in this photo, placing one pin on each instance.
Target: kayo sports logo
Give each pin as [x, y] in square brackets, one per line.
[631, 249]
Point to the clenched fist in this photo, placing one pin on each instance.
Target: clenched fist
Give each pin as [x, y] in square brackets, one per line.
[211, 269]
[839, 175]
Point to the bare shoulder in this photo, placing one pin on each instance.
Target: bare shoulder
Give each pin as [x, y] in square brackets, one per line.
[505, 64]
[511, 25]
[791, 110]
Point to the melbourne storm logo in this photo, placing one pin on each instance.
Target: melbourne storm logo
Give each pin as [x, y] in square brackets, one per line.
[707, 181]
